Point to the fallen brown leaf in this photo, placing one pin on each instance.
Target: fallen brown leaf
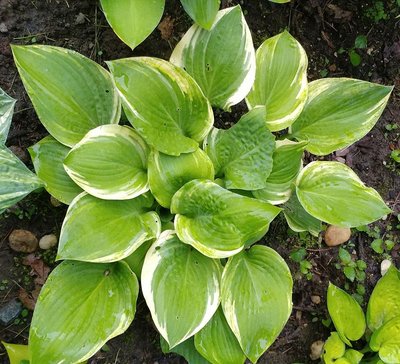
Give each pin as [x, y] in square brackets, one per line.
[166, 27]
[339, 13]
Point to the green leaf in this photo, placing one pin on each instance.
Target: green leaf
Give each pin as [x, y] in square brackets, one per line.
[376, 245]
[344, 256]
[338, 112]
[70, 93]
[203, 12]
[256, 296]
[386, 341]
[332, 192]
[7, 104]
[242, 155]
[96, 302]
[102, 231]
[353, 356]
[217, 222]
[16, 181]
[167, 174]
[384, 303]
[133, 21]
[361, 42]
[280, 1]
[299, 219]
[355, 58]
[136, 259]
[347, 315]
[287, 163]
[217, 343]
[48, 156]
[281, 80]
[334, 348]
[17, 353]
[181, 288]
[350, 273]
[185, 349]
[110, 162]
[163, 103]
[221, 60]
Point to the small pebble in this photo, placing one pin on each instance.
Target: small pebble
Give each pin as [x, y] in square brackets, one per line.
[342, 152]
[80, 19]
[23, 241]
[385, 265]
[340, 160]
[48, 241]
[3, 28]
[316, 299]
[335, 235]
[317, 348]
[10, 312]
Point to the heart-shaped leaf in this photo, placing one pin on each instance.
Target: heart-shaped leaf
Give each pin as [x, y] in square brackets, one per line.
[242, 155]
[7, 104]
[256, 296]
[163, 103]
[217, 222]
[384, 303]
[281, 80]
[299, 219]
[96, 303]
[347, 315]
[181, 288]
[203, 12]
[167, 174]
[217, 343]
[101, 231]
[16, 181]
[110, 162]
[70, 93]
[48, 156]
[221, 60]
[287, 162]
[332, 192]
[333, 118]
[133, 21]
[386, 341]
[334, 348]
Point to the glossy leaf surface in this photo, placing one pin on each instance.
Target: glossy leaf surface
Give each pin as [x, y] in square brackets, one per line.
[110, 162]
[338, 112]
[96, 303]
[347, 315]
[384, 303]
[133, 21]
[221, 60]
[299, 219]
[136, 259]
[256, 296]
[203, 12]
[334, 348]
[242, 155]
[7, 104]
[386, 341]
[17, 353]
[332, 192]
[217, 343]
[181, 288]
[16, 180]
[217, 222]
[163, 103]
[287, 162]
[48, 156]
[99, 231]
[281, 80]
[70, 93]
[167, 174]
[185, 349]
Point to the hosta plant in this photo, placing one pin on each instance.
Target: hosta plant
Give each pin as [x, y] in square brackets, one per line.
[379, 328]
[178, 204]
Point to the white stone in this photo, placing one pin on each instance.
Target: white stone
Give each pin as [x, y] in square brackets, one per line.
[385, 265]
[48, 241]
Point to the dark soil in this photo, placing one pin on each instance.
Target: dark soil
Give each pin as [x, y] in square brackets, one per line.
[327, 29]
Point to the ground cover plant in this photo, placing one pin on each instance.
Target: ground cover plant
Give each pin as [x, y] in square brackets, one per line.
[216, 146]
[379, 328]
